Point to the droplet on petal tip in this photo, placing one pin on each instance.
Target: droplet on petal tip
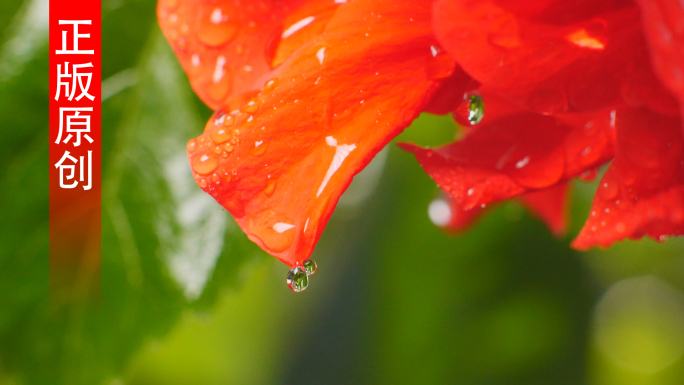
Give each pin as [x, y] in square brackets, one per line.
[310, 267]
[297, 279]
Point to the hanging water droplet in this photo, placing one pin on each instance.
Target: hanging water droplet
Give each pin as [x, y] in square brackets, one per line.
[471, 111]
[310, 267]
[297, 279]
[475, 109]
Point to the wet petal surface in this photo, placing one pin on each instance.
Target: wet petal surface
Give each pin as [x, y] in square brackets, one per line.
[280, 162]
[642, 192]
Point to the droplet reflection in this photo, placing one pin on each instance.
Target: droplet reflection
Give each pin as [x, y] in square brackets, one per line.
[310, 267]
[297, 279]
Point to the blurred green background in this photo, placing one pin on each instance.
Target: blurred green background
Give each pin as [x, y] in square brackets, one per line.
[187, 299]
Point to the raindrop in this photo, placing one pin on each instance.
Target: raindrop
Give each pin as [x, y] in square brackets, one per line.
[588, 175]
[440, 64]
[608, 190]
[251, 107]
[192, 146]
[471, 112]
[270, 188]
[548, 101]
[270, 85]
[310, 267]
[297, 279]
[220, 136]
[217, 32]
[205, 164]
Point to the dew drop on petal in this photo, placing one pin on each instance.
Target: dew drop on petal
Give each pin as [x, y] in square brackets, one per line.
[220, 136]
[548, 101]
[440, 64]
[192, 146]
[274, 230]
[608, 190]
[588, 176]
[270, 85]
[259, 149]
[310, 267]
[471, 111]
[297, 279]
[270, 188]
[204, 164]
[216, 34]
[251, 107]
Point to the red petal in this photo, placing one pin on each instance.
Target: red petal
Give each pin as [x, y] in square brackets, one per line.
[553, 56]
[519, 153]
[551, 206]
[642, 193]
[281, 163]
[227, 49]
[663, 22]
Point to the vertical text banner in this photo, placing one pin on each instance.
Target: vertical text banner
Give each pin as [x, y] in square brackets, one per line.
[75, 149]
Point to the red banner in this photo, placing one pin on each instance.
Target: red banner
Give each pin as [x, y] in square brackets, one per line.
[75, 148]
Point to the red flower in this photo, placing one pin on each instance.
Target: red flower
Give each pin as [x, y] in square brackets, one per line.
[308, 91]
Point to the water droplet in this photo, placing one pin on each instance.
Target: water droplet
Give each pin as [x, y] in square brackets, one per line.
[471, 111]
[219, 117]
[270, 188]
[297, 279]
[548, 101]
[216, 34]
[203, 183]
[220, 136]
[221, 84]
[252, 106]
[310, 267]
[192, 146]
[204, 164]
[608, 190]
[275, 230]
[440, 64]
[259, 150]
[588, 175]
[270, 85]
